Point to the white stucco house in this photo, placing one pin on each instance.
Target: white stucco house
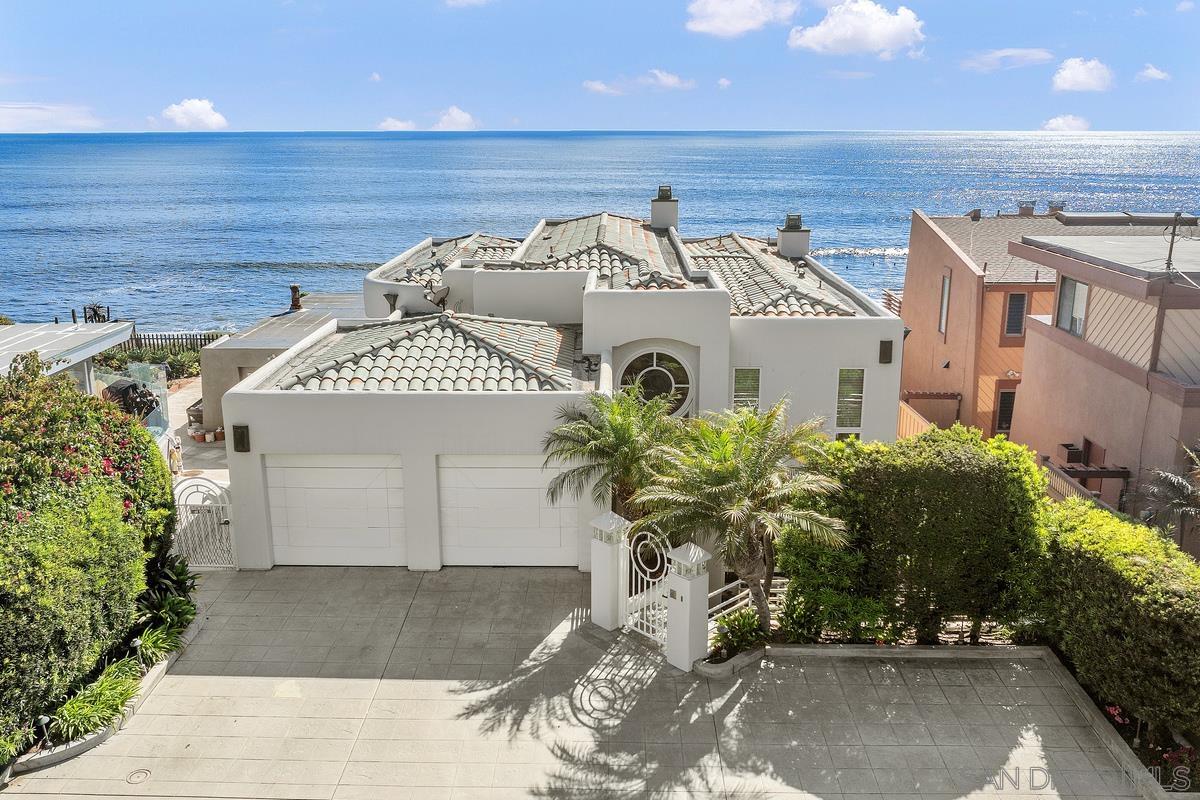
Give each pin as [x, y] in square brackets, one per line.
[413, 437]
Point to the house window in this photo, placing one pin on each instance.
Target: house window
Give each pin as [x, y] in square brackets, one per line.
[1014, 315]
[660, 375]
[944, 312]
[1072, 306]
[850, 398]
[1004, 411]
[745, 387]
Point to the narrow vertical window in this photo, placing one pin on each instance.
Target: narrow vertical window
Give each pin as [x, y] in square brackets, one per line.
[745, 387]
[1014, 316]
[944, 311]
[850, 398]
[1072, 306]
[1004, 411]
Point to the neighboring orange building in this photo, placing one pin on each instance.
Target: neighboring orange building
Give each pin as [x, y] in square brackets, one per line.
[966, 301]
[1112, 375]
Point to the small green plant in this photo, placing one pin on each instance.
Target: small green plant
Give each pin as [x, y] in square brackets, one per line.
[173, 576]
[157, 644]
[97, 705]
[5, 320]
[736, 632]
[156, 608]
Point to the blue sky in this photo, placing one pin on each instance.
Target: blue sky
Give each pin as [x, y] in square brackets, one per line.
[615, 64]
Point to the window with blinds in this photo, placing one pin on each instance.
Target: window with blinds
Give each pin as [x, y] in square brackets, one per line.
[1004, 411]
[745, 387]
[850, 398]
[1014, 317]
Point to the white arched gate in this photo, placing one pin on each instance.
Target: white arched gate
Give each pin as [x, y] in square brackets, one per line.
[203, 533]
[642, 606]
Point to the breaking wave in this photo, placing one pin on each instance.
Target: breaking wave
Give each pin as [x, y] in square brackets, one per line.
[861, 252]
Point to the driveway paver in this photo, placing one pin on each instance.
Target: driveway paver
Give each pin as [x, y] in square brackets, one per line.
[358, 684]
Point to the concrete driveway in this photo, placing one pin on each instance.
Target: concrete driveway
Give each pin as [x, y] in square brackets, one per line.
[490, 683]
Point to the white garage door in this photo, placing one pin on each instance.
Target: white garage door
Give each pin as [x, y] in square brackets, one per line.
[494, 511]
[346, 510]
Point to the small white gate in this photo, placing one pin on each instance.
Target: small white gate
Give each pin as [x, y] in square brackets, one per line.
[642, 606]
[203, 532]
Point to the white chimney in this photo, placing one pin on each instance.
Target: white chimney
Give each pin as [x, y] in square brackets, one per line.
[664, 210]
[794, 238]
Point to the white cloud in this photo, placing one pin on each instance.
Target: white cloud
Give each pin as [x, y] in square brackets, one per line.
[1153, 73]
[661, 79]
[731, 18]
[724, 83]
[45, 118]
[393, 124]
[1067, 123]
[1183, 6]
[455, 119]
[195, 114]
[375, 77]
[600, 87]
[466, 3]
[1007, 58]
[1080, 75]
[850, 74]
[861, 26]
[1139, 12]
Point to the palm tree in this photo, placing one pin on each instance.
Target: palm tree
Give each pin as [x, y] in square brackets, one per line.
[606, 443]
[741, 477]
[1173, 498]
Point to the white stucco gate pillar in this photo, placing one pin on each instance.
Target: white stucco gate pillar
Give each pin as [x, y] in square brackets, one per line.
[608, 534]
[687, 605]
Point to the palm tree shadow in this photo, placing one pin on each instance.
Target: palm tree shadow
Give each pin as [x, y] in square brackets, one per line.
[616, 720]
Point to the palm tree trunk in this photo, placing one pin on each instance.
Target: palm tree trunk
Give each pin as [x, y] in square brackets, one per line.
[759, 598]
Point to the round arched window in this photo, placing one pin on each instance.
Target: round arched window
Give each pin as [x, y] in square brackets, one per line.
[660, 375]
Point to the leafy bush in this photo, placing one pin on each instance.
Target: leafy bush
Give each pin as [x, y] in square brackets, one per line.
[1122, 604]
[179, 363]
[155, 644]
[736, 632]
[947, 524]
[53, 437]
[73, 570]
[5, 320]
[173, 611]
[97, 705]
[826, 595]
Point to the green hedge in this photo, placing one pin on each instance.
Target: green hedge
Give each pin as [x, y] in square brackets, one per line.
[179, 363]
[72, 572]
[1122, 604]
[942, 524]
[86, 520]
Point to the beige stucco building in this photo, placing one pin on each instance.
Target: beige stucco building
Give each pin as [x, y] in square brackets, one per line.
[965, 304]
[1111, 385]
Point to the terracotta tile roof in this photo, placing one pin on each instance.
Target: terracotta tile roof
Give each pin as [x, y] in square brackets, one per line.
[429, 261]
[439, 352]
[761, 283]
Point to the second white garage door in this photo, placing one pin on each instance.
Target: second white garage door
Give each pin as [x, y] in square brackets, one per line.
[343, 509]
[494, 512]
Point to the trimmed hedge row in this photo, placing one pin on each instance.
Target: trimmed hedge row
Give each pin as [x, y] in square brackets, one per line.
[940, 525]
[1122, 604]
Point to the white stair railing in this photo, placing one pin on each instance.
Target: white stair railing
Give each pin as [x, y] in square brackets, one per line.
[739, 597]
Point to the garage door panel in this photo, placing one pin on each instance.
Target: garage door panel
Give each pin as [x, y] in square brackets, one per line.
[493, 510]
[337, 509]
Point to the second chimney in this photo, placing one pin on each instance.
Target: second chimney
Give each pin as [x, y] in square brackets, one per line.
[1025, 208]
[794, 239]
[664, 210]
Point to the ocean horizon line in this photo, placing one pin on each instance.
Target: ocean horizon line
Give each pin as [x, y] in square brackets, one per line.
[598, 131]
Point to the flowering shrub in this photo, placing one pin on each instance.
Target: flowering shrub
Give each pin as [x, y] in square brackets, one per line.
[86, 516]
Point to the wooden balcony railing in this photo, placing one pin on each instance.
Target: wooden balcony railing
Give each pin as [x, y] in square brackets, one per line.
[1062, 486]
[910, 422]
[892, 300]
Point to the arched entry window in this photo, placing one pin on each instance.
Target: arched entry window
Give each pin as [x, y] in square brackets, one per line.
[660, 374]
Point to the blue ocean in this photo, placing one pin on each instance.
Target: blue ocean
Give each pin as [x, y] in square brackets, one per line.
[199, 231]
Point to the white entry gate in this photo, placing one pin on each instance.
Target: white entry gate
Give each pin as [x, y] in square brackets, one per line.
[203, 532]
[641, 604]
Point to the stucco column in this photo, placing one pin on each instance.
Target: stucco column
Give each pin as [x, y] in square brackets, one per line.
[687, 605]
[608, 534]
[422, 523]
